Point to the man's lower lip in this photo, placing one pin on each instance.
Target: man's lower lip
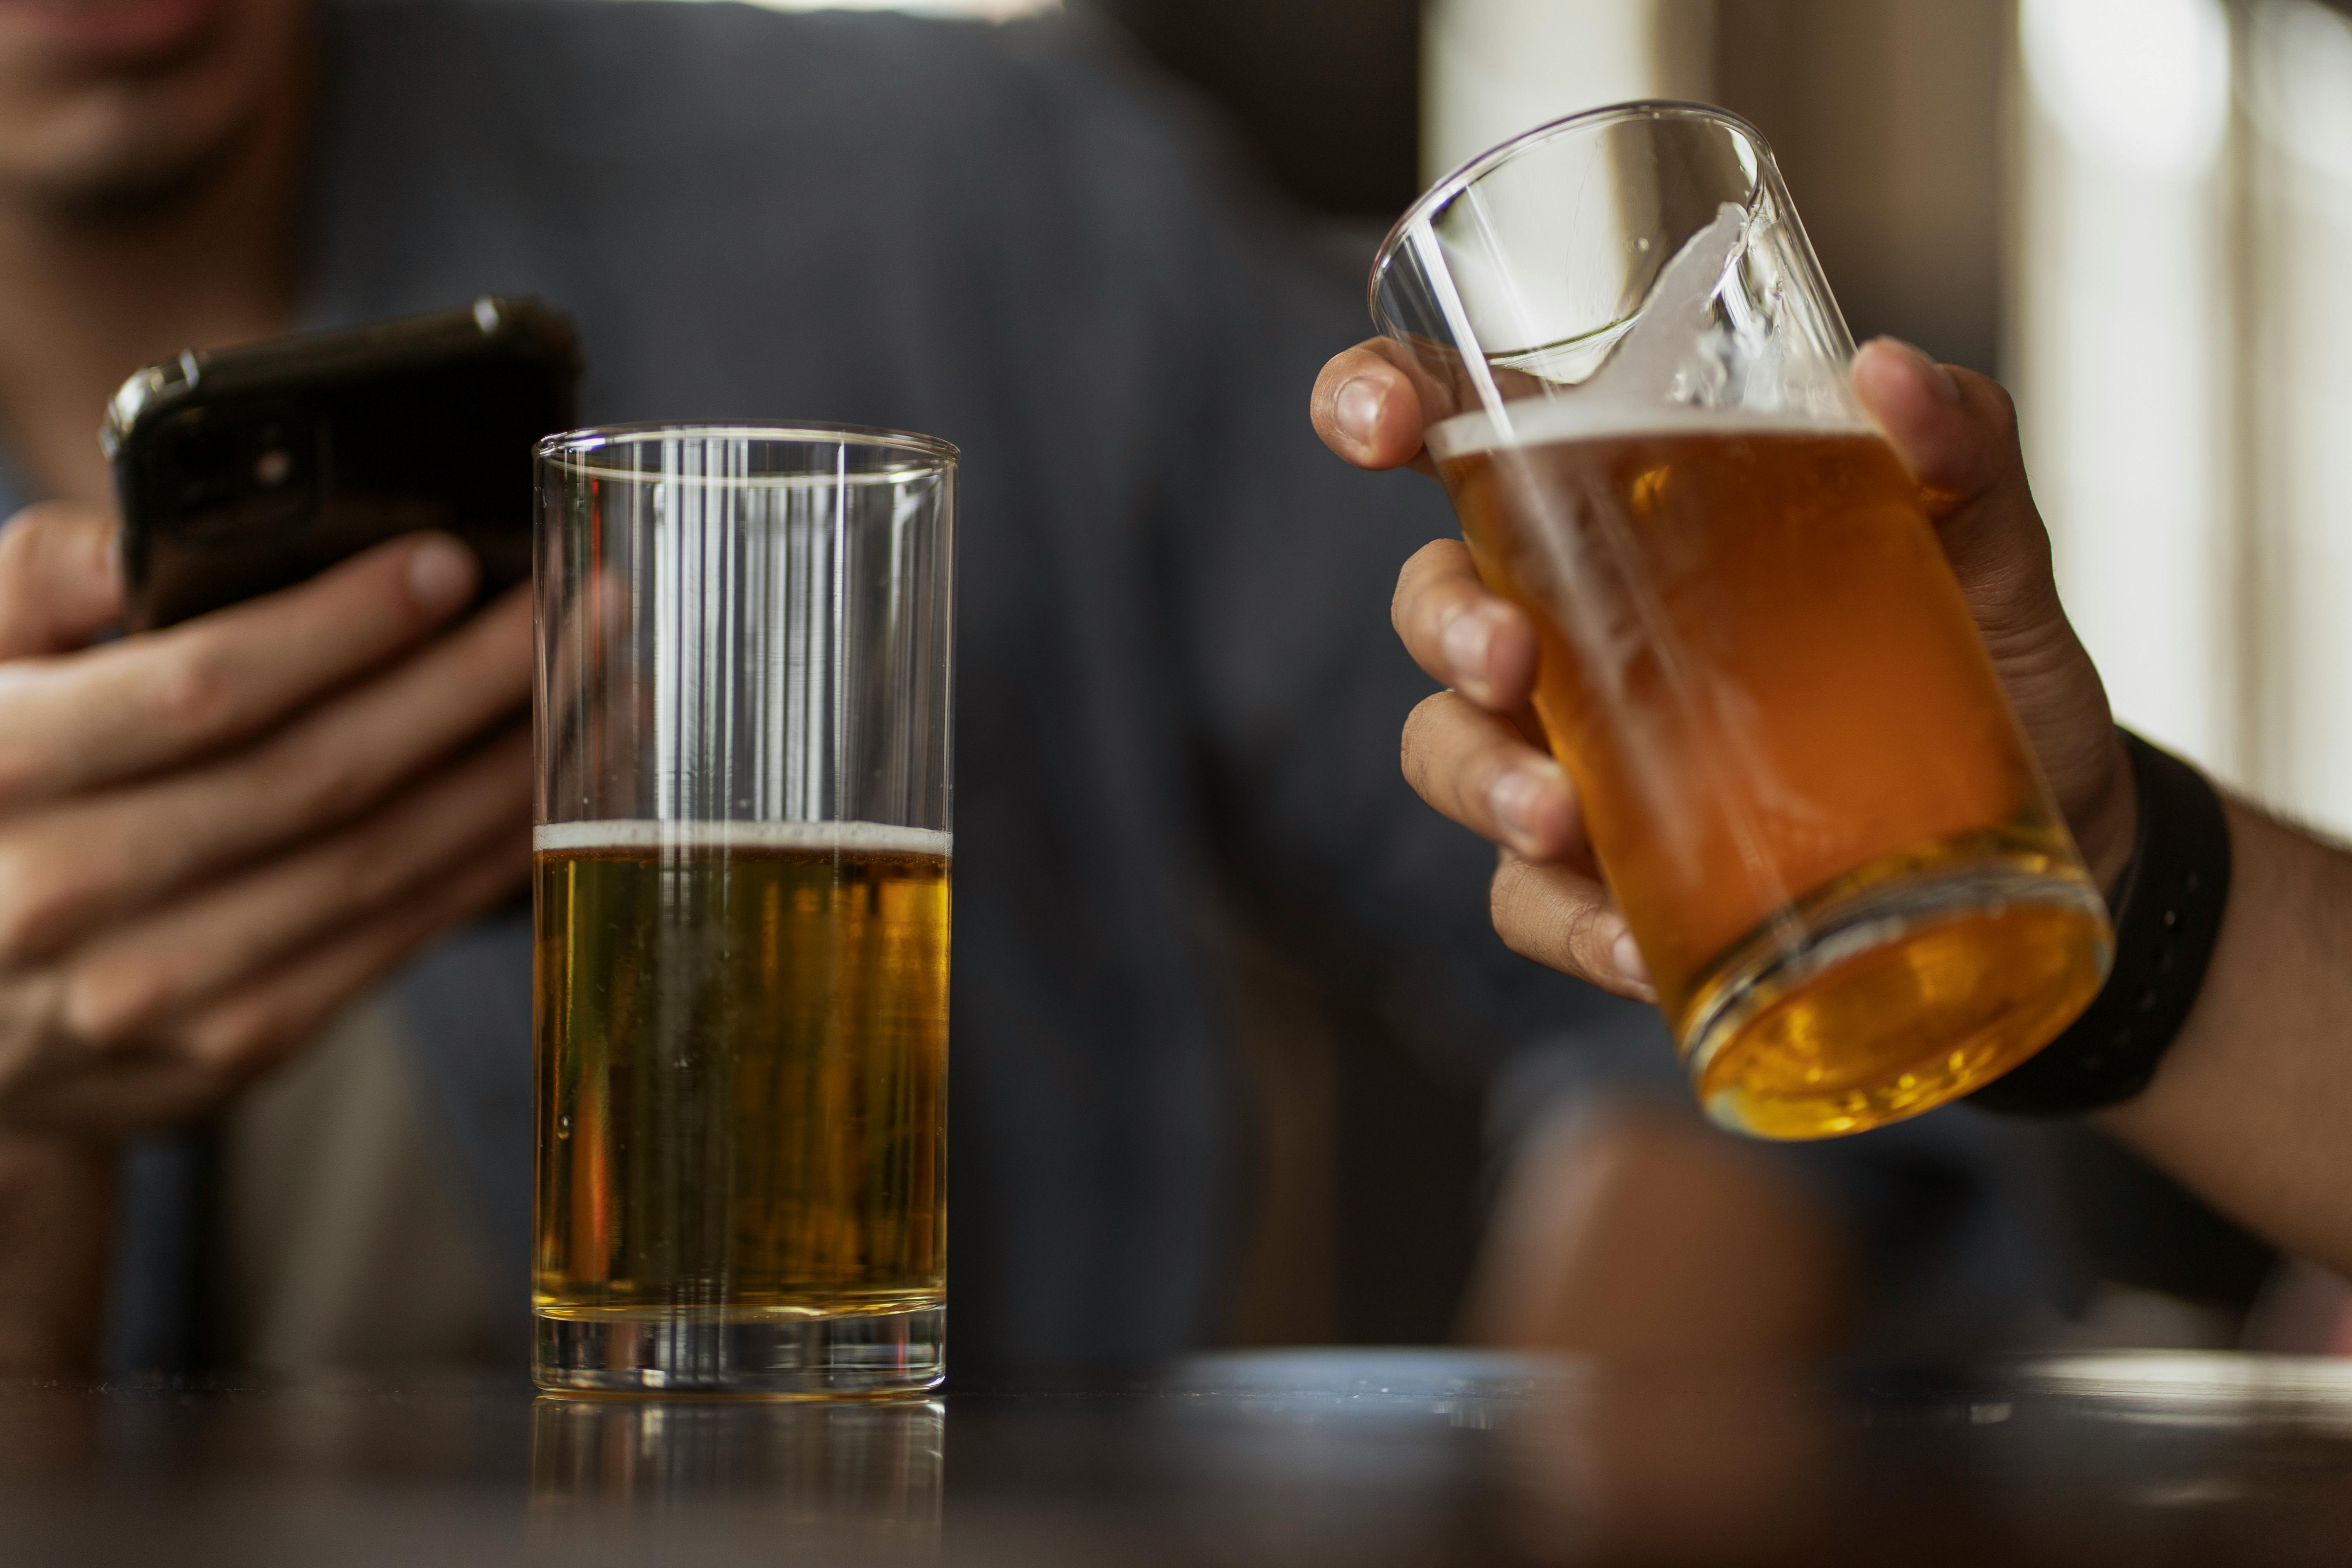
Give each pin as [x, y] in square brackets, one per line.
[104, 30]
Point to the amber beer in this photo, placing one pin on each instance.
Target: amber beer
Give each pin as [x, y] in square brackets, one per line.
[1761, 676]
[743, 1070]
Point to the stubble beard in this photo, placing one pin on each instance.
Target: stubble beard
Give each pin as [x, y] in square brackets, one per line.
[127, 179]
[142, 191]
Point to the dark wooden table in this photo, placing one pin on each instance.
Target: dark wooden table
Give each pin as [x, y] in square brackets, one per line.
[1327, 1456]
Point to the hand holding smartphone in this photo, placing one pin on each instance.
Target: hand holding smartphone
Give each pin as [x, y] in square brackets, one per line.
[221, 833]
[244, 470]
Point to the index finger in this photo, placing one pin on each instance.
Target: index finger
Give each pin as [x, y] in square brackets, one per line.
[79, 720]
[1370, 405]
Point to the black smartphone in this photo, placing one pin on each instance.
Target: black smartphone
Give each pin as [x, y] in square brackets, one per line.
[247, 470]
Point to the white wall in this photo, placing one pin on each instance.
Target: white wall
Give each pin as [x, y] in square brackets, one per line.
[2296, 418]
[2122, 365]
[1492, 68]
[2182, 356]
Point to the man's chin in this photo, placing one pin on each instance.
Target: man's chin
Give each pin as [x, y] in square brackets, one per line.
[127, 191]
[117, 160]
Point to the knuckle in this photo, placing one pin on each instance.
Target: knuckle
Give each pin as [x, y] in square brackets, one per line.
[1431, 592]
[1506, 895]
[1507, 912]
[1411, 578]
[194, 694]
[111, 1006]
[1415, 743]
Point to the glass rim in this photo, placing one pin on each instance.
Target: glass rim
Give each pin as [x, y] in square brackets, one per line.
[1463, 176]
[568, 448]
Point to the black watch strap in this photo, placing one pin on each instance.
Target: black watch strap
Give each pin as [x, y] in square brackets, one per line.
[2168, 913]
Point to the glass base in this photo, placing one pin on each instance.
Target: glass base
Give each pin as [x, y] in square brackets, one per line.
[868, 1355]
[1895, 998]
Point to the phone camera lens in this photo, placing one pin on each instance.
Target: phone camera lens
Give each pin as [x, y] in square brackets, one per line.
[273, 468]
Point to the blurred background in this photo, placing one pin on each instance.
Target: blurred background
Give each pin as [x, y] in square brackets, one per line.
[2135, 213]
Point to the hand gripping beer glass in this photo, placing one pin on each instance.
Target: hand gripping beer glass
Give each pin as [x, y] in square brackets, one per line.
[742, 858]
[1798, 772]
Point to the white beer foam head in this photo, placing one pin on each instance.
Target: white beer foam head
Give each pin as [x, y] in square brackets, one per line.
[1536, 421]
[825, 837]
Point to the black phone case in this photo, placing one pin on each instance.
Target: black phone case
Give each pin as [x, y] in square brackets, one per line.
[248, 469]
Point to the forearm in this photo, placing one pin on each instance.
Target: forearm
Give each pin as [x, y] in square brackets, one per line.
[2252, 1104]
[56, 1199]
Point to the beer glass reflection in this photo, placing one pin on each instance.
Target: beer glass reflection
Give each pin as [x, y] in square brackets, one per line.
[863, 1478]
[1798, 769]
[742, 873]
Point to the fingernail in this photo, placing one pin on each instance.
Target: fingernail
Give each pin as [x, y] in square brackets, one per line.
[1467, 637]
[1939, 381]
[1626, 954]
[440, 575]
[1358, 410]
[1514, 796]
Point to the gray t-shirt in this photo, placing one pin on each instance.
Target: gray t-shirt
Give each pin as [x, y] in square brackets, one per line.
[1174, 659]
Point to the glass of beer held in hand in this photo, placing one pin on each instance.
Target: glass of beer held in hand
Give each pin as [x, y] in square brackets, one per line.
[1799, 773]
[741, 900]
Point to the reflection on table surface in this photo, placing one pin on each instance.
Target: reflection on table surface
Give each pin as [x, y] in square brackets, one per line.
[863, 1476]
[1376, 1458]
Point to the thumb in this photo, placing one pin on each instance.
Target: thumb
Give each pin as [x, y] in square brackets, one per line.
[60, 581]
[1957, 432]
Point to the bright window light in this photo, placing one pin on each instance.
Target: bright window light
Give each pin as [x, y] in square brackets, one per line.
[1492, 68]
[2302, 96]
[2144, 82]
[2183, 360]
[2121, 368]
[2298, 390]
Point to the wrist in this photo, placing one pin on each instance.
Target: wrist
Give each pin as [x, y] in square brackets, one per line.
[2168, 908]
